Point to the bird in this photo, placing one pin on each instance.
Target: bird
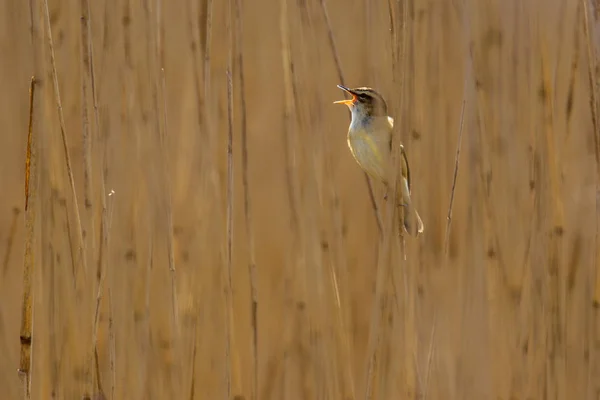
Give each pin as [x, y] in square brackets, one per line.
[370, 142]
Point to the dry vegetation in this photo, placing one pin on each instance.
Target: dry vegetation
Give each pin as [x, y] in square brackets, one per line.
[194, 227]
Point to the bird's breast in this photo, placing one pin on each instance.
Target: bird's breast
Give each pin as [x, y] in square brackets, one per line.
[370, 148]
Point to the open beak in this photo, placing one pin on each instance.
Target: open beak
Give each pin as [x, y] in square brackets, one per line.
[346, 102]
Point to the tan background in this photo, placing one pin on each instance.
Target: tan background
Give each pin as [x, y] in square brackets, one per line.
[510, 312]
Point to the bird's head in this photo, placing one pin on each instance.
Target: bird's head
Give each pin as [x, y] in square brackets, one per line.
[365, 102]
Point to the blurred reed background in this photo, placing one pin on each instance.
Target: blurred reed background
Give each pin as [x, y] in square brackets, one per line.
[164, 266]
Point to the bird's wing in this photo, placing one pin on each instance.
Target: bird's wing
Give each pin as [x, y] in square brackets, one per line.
[405, 168]
[391, 122]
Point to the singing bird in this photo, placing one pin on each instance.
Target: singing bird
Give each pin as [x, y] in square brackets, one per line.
[370, 142]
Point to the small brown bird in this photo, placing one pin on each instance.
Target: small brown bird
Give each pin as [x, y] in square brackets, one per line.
[370, 142]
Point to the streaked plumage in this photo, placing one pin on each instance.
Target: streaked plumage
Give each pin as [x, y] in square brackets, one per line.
[370, 140]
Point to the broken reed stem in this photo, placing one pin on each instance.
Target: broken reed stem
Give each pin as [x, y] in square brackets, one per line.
[455, 175]
[65, 143]
[239, 34]
[28, 259]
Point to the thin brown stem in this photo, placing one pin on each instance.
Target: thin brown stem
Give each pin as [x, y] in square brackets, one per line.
[28, 259]
[338, 67]
[252, 270]
[229, 285]
[454, 176]
[81, 250]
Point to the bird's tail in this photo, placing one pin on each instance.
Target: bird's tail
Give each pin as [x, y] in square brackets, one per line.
[408, 215]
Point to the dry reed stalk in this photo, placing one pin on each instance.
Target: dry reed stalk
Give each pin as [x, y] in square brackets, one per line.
[200, 48]
[193, 369]
[383, 260]
[314, 329]
[81, 243]
[594, 108]
[156, 37]
[86, 78]
[594, 272]
[292, 191]
[455, 174]
[336, 219]
[572, 77]
[105, 225]
[183, 175]
[289, 114]
[88, 59]
[560, 29]
[485, 286]
[25, 335]
[164, 137]
[399, 33]
[252, 269]
[208, 122]
[526, 362]
[404, 58]
[430, 356]
[113, 348]
[480, 75]
[379, 346]
[103, 246]
[175, 325]
[532, 298]
[147, 376]
[207, 54]
[368, 13]
[338, 66]
[556, 351]
[322, 362]
[231, 378]
[49, 259]
[315, 244]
